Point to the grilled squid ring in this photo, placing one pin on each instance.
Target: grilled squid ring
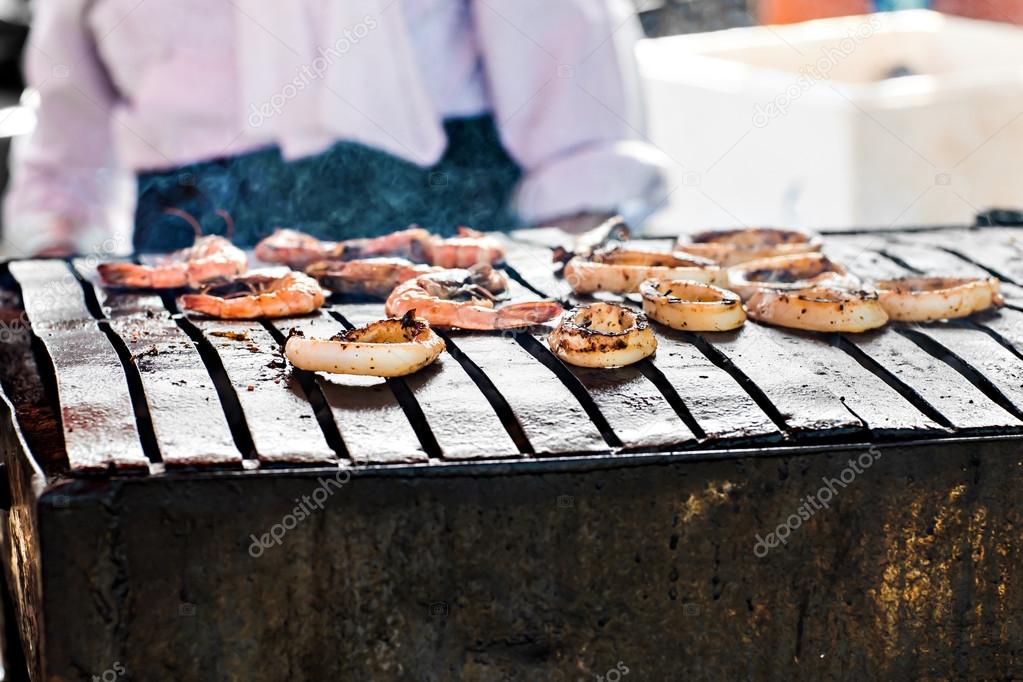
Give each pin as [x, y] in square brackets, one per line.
[620, 270]
[731, 247]
[921, 299]
[388, 348]
[789, 273]
[602, 335]
[818, 309]
[699, 307]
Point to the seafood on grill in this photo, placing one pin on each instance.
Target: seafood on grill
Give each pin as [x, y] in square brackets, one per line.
[209, 258]
[819, 308]
[468, 247]
[257, 296]
[296, 249]
[387, 348]
[605, 335]
[731, 247]
[374, 277]
[621, 269]
[922, 299]
[467, 299]
[789, 273]
[611, 231]
[694, 306]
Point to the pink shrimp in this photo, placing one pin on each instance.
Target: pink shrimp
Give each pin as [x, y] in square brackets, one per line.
[466, 299]
[376, 277]
[295, 249]
[256, 296]
[467, 249]
[209, 258]
[412, 243]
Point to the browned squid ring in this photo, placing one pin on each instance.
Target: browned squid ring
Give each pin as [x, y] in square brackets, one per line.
[920, 299]
[789, 273]
[819, 309]
[602, 335]
[684, 304]
[731, 247]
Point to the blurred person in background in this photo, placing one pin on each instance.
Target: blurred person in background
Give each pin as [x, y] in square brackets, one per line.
[340, 118]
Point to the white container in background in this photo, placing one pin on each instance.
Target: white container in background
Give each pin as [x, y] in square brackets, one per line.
[803, 125]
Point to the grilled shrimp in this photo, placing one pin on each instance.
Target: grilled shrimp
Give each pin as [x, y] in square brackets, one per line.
[376, 277]
[209, 258]
[295, 249]
[466, 299]
[468, 248]
[255, 296]
[412, 244]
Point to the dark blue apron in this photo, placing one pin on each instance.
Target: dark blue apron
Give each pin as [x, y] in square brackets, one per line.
[348, 191]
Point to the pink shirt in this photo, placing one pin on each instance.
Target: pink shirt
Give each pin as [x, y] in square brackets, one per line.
[154, 85]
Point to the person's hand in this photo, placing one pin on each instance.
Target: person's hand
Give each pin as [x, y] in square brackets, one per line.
[578, 223]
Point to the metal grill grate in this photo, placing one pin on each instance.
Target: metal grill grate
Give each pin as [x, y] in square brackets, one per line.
[138, 388]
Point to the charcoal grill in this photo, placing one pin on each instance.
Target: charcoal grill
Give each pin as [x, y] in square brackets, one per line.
[503, 516]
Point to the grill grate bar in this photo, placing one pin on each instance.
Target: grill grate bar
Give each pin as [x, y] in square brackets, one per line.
[407, 400]
[229, 401]
[450, 400]
[314, 394]
[136, 389]
[657, 378]
[100, 427]
[956, 362]
[572, 383]
[489, 390]
[360, 410]
[725, 363]
[166, 360]
[904, 389]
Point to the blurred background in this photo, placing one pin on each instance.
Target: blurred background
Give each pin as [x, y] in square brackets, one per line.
[808, 113]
